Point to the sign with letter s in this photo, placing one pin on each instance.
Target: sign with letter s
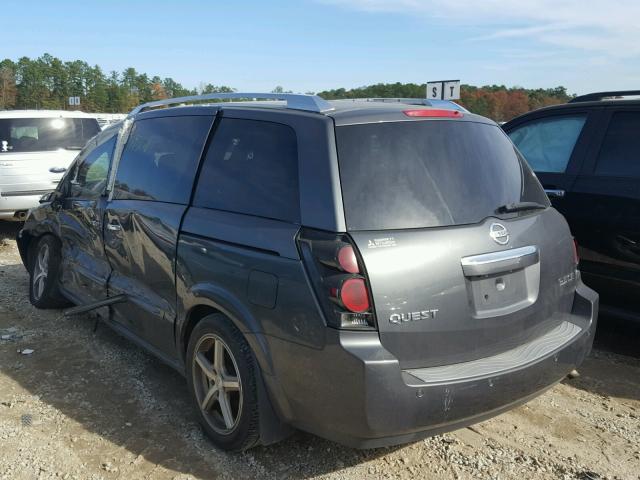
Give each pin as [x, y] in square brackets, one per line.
[443, 90]
[434, 90]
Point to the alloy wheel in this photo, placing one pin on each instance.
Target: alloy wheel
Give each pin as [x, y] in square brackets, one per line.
[40, 271]
[217, 384]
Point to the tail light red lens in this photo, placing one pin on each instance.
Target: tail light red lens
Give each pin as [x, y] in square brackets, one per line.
[434, 112]
[347, 259]
[339, 279]
[354, 295]
[576, 258]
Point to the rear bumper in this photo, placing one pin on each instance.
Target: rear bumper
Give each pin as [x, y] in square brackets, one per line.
[355, 393]
[11, 203]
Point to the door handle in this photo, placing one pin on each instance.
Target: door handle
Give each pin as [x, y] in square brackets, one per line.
[57, 169]
[555, 193]
[114, 227]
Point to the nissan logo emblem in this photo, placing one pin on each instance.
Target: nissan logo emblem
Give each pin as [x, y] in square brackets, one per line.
[499, 233]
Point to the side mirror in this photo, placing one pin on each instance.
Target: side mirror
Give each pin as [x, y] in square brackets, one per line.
[73, 188]
[47, 197]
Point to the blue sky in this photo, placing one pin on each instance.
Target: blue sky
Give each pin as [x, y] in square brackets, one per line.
[311, 45]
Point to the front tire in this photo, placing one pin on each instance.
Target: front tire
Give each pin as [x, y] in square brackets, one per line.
[221, 376]
[44, 271]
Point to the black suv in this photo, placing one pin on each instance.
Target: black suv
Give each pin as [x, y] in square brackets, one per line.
[586, 154]
[366, 271]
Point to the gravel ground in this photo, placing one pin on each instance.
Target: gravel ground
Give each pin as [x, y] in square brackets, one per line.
[87, 405]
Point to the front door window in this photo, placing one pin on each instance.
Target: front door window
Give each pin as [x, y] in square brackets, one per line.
[547, 144]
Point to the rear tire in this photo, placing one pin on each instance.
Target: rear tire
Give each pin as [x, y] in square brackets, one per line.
[221, 374]
[44, 272]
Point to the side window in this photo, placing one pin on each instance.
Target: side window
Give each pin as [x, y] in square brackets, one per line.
[91, 173]
[547, 144]
[160, 159]
[620, 151]
[252, 168]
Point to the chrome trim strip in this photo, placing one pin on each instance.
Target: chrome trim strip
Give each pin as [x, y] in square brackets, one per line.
[496, 262]
[493, 257]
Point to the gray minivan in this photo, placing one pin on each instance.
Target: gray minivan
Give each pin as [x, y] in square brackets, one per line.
[369, 272]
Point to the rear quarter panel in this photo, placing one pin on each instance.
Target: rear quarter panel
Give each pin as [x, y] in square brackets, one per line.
[248, 268]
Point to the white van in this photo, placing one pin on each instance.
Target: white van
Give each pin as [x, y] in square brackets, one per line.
[36, 147]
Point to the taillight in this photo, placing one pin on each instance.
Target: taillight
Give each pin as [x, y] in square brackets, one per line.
[353, 295]
[433, 112]
[338, 278]
[347, 259]
[576, 258]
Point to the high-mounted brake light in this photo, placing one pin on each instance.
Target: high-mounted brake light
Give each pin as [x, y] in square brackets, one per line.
[433, 112]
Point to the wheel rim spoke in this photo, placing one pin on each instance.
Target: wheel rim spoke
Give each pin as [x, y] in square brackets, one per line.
[40, 271]
[205, 365]
[225, 408]
[230, 383]
[210, 398]
[43, 259]
[38, 276]
[39, 286]
[218, 357]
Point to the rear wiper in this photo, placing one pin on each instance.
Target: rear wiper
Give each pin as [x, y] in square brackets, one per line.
[520, 206]
[72, 147]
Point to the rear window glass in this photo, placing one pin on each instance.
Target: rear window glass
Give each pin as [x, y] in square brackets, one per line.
[45, 134]
[431, 173]
[252, 168]
[160, 159]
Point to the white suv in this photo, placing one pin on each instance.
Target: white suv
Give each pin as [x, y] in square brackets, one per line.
[36, 147]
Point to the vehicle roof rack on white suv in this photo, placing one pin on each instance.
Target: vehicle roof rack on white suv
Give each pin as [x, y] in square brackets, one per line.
[296, 101]
[597, 96]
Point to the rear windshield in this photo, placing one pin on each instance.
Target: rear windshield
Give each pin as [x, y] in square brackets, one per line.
[45, 134]
[430, 173]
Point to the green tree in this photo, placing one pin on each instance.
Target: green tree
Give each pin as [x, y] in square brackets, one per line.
[48, 82]
[8, 90]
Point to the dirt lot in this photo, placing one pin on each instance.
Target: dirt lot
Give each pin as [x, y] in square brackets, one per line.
[88, 405]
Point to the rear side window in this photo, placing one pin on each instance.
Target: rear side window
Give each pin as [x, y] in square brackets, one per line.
[19, 135]
[620, 152]
[548, 144]
[252, 168]
[160, 159]
[429, 173]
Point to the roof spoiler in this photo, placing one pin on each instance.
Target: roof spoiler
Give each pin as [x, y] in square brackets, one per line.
[597, 96]
[296, 101]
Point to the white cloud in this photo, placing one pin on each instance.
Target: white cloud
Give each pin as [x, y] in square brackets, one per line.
[610, 28]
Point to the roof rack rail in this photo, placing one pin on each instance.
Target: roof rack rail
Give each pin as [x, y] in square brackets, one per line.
[297, 101]
[597, 96]
[408, 101]
[427, 102]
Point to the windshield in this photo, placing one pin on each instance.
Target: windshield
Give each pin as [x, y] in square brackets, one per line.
[19, 135]
[430, 173]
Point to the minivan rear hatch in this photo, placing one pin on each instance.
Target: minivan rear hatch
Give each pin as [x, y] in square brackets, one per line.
[462, 253]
